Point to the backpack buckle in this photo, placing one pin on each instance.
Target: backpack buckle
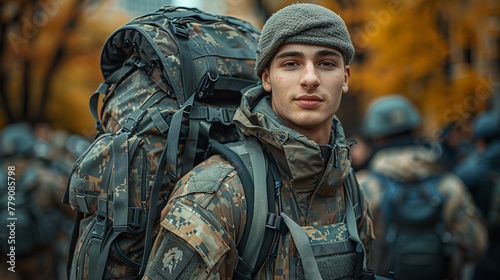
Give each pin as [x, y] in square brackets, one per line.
[206, 87]
[100, 228]
[275, 222]
[180, 29]
[221, 115]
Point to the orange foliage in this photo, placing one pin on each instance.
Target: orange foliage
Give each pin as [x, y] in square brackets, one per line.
[51, 53]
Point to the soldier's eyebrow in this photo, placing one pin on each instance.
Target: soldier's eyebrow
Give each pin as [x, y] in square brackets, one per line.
[289, 54]
[321, 53]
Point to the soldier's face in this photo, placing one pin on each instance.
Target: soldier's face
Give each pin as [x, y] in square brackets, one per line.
[307, 83]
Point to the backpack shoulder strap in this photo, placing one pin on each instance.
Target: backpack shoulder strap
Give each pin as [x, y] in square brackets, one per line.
[353, 188]
[354, 208]
[249, 161]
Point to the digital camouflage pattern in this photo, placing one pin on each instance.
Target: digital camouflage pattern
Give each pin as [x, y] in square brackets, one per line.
[121, 171]
[91, 167]
[207, 210]
[219, 49]
[414, 163]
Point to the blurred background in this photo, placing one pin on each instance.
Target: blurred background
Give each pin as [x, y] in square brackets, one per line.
[442, 55]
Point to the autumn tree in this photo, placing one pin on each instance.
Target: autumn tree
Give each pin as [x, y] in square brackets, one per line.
[50, 53]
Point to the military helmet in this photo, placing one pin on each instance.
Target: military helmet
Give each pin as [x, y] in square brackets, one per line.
[487, 125]
[390, 115]
[17, 140]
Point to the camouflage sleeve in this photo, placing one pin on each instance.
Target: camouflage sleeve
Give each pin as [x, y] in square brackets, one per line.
[373, 191]
[204, 221]
[463, 218]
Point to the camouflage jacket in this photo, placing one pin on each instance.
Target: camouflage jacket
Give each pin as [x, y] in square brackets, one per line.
[407, 163]
[206, 215]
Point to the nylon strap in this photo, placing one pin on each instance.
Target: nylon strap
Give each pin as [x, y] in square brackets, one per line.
[190, 145]
[188, 73]
[153, 208]
[351, 222]
[173, 137]
[242, 269]
[115, 78]
[311, 270]
[100, 228]
[258, 226]
[98, 233]
[103, 257]
[120, 182]
[158, 120]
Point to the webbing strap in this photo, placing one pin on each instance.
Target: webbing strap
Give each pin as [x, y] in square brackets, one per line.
[133, 119]
[158, 120]
[258, 223]
[301, 240]
[153, 208]
[191, 144]
[98, 233]
[120, 182]
[115, 78]
[103, 257]
[188, 73]
[242, 270]
[100, 228]
[351, 222]
[173, 137]
[212, 114]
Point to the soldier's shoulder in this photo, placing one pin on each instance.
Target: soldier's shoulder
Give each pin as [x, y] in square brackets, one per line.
[207, 176]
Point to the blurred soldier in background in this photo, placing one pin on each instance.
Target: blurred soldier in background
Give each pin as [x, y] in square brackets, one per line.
[481, 174]
[400, 159]
[43, 224]
[361, 151]
[455, 140]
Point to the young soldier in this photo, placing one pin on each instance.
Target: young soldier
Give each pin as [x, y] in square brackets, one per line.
[303, 60]
[403, 160]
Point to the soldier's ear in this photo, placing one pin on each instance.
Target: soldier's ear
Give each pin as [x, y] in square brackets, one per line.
[266, 80]
[347, 75]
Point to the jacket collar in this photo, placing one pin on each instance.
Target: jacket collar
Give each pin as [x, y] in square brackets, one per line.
[298, 158]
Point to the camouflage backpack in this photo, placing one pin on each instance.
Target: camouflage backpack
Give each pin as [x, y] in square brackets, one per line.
[173, 80]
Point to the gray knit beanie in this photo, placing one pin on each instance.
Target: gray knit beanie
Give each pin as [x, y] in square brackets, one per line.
[303, 24]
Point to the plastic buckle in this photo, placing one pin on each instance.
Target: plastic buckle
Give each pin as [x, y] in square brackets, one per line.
[206, 87]
[99, 228]
[132, 122]
[274, 221]
[221, 115]
[180, 29]
[134, 215]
